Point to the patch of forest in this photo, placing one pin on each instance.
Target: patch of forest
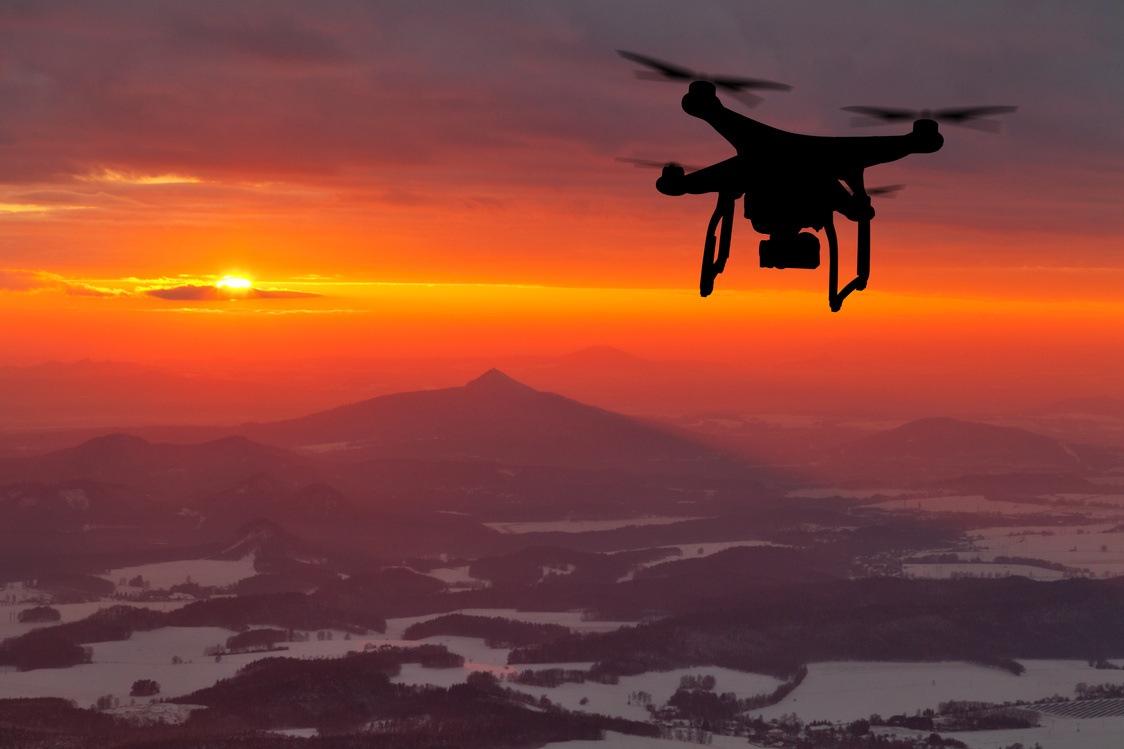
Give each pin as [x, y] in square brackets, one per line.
[287, 610]
[60, 646]
[466, 716]
[336, 694]
[777, 630]
[496, 631]
[355, 693]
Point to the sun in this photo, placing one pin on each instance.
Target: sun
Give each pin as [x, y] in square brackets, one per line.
[233, 282]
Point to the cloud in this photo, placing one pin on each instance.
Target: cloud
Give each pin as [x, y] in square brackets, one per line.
[83, 289]
[195, 293]
[112, 175]
[280, 294]
[37, 280]
[190, 293]
[26, 280]
[381, 112]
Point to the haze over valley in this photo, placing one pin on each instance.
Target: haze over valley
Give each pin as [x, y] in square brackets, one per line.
[701, 577]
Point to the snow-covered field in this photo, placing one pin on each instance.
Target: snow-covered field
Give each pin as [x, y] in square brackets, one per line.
[458, 577]
[147, 655]
[842, 691]
[1090, 547]
[1053, 733]
[848, 690]
[1110, 500]
[207, 572]
[70, 612]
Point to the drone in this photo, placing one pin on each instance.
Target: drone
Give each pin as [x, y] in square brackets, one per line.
[792, 182]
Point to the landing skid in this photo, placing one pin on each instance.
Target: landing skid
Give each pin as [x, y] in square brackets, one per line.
[718, 237]
[711, 265]
[835, 297]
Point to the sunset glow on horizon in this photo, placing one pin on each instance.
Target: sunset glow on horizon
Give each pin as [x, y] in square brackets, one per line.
[262, 181]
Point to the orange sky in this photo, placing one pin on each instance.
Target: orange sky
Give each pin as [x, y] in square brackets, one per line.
[429, 179]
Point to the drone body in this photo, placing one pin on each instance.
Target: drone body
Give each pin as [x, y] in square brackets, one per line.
[790, 182]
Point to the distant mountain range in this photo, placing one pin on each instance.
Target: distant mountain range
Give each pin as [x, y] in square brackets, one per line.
[491, 443]
[941, 448]
[496, 443]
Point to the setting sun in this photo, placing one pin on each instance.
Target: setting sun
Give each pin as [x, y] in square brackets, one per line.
[233, 282]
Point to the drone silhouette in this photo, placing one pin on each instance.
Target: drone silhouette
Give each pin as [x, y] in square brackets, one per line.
[792, 182]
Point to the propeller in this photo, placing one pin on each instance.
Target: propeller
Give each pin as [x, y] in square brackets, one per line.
[736, 87]
[971, 117]
[649, 164]
[885, 191]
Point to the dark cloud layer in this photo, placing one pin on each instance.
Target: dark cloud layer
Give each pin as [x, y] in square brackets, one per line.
[194, 293]
[450, 98]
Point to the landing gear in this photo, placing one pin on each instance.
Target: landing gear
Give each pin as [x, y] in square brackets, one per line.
[712, 265]
[834, 296]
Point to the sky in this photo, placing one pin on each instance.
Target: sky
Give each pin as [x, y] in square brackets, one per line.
[430, 178]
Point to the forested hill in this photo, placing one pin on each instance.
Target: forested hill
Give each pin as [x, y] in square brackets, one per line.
[775, 630]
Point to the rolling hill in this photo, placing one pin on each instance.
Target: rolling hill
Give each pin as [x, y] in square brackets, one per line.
[943, 447]
[165, 472]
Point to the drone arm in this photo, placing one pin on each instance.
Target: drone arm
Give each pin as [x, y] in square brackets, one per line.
[721, 177]
[702, 101]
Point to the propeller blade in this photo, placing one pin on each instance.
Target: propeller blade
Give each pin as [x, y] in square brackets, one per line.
[651, 75]
[971, 113]
[866, 121]
[650, 164]
[962, 116]
[740, 84]
[883, 113]
[885, 191]
[666, 69]
[987, 126]
[750, 100]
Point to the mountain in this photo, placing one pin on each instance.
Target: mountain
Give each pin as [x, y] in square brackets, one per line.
[163, 471]
[70, 505]
[492, 418]
[944, 447]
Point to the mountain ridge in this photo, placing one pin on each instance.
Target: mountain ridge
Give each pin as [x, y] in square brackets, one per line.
[492, 417]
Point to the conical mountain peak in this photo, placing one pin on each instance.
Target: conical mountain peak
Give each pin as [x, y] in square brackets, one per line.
[495, 381]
